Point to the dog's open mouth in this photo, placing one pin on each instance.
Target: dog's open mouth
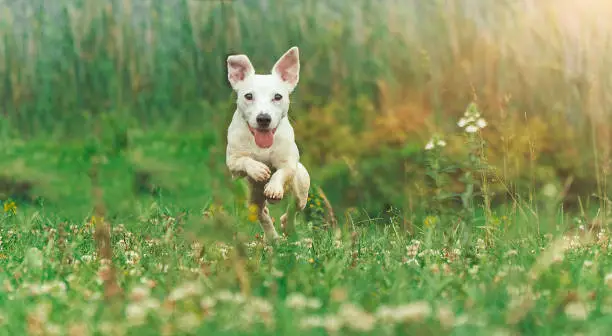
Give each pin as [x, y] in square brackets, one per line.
[264, 138]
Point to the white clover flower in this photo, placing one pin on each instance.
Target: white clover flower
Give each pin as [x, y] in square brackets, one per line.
[311, 322]
[300, 301]
[576, 311]
[87, 258]
[356, 318]
[386, 314]
[186, 290]
[332, 323]
[123, 244]
[416, 311]
[136, 313]
[412, 250]
[314, 303]
[227, 296]
[471, 121]
[132, 257]
[435, 141]
[471, 129]
[601, 235]
[307, 242]
[412, 262]
[411, 312]
[296, 301]
[260, 305]
[481, 123]
[140, 293]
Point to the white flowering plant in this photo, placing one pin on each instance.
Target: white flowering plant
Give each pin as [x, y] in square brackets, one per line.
[472, 122]
[438, 169]
[473, 170]
[475, 167]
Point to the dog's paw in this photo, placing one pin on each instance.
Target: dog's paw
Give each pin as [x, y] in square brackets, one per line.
[258, 171]
[274, 191]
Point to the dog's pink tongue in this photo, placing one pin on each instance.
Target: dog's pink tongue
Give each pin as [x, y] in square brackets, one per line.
[264, 139]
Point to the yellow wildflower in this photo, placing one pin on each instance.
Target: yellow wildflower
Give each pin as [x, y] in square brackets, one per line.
[212, 210]
[311, 261]
[253, 212]
[95, 220]
[10, 206]
[430, 221]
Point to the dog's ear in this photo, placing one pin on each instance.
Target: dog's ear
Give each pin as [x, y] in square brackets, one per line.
[239, 67]
[288, 67]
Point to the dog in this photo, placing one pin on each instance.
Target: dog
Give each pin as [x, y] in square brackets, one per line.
[260, 139]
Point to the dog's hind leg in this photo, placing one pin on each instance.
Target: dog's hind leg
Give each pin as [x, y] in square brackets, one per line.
[263, 214]
[299, 188]
[301, 185]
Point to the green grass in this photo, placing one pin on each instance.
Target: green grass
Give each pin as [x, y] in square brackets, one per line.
[189, 261]
[51, 280]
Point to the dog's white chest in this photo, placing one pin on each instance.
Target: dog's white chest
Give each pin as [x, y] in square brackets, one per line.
[263, 155]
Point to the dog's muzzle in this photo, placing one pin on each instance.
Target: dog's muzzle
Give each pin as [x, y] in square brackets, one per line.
[264, 138]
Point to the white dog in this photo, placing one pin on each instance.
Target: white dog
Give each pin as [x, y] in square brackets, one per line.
[260, 139]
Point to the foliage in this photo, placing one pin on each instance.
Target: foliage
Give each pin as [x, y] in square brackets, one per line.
[374, 77]
[194, 274]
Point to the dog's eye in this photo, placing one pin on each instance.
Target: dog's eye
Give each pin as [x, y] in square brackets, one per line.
[248, 96]
[278, 97]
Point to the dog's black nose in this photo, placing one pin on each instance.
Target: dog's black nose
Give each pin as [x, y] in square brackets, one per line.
[263, 120]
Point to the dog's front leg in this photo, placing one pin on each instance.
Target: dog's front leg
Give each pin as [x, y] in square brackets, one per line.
[275, 188]
[244, 165]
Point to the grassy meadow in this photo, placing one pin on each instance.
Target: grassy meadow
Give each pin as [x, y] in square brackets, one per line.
[459, 153]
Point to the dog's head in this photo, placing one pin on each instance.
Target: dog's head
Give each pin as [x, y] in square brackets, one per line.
[263, 100]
